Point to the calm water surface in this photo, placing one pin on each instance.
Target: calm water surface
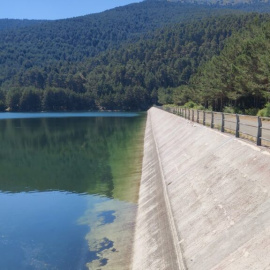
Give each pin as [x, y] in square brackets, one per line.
[68, 189]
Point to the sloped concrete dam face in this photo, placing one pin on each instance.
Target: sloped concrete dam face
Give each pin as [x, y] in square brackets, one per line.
[204, 199]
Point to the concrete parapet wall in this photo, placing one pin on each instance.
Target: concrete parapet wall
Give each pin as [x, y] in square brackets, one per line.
[204, 200]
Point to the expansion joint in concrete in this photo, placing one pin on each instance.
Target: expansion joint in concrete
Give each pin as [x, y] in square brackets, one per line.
[173, 230]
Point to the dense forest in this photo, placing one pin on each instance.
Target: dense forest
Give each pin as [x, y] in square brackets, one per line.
[240, 75]
[11, 24]
[132, 57]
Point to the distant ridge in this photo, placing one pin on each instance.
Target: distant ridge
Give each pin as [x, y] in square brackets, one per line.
[219, 2]
[6, 24]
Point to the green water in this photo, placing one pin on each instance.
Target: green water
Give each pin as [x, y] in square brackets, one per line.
[68, 189]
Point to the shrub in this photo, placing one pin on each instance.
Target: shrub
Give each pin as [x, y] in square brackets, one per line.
[261, 112]
[228, 109]
[192, 105]
[265, 112]
[251, 111]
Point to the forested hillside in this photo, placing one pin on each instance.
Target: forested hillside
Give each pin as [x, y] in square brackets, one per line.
[78, 38]
[240, 76]
[8, 24]
[127, 58]
[138, 75]
[257, 6]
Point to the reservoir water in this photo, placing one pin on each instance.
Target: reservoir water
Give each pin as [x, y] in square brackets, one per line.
[68, 189]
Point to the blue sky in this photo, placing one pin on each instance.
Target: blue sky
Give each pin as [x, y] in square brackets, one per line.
[56, 9]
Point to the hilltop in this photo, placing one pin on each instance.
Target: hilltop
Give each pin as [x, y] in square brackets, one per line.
[211, 2]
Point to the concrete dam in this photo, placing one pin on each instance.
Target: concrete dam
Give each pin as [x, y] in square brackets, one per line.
[204, 200]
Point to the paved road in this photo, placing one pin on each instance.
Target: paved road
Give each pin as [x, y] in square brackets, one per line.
[248, 125]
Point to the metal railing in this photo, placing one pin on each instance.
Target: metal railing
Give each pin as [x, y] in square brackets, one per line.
[254, 128]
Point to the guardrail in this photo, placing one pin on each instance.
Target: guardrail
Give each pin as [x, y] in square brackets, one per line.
[254, 128]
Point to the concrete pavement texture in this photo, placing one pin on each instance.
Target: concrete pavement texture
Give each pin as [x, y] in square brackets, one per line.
[204, 201]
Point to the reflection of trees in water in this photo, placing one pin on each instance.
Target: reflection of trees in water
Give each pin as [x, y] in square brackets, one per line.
[70, 154]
